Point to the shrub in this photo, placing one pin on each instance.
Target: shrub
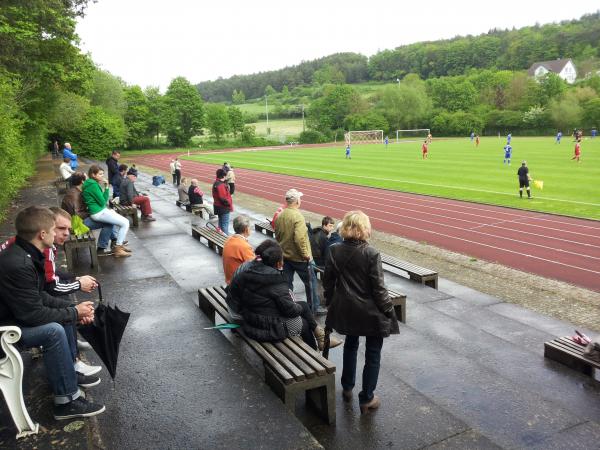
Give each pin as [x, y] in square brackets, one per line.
[312, 137]
[99, 133]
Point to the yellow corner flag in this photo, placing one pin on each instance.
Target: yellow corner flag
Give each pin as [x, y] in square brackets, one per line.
[539, 184]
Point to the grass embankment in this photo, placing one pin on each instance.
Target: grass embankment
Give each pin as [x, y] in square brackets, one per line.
[455, 169]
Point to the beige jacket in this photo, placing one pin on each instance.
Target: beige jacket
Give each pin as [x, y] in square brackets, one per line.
[230, 177]
[292, 235]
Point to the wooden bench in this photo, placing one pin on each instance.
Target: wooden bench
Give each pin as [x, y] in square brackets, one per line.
[567, 352]
[291, 367]
[185, 205]
[214, 239]
[420, 274]
[74, 243]
[264, 227]
[128, 211]
[11, 381]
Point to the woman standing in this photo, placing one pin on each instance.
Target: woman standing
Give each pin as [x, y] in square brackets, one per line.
[95, 195]
[358, 304]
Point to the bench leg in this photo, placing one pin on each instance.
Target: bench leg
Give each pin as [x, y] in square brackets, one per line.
[206, 308]
[11, 385]
[286, 393]
[195, 234]
[432, 282]
[94, 256]
[567, 360]
[323, 399]
[401, 312]
[135, 219]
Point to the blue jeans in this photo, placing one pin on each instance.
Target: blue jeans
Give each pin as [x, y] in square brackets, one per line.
[111, 217]
[224, 222]
[371, 369]
[291, 267]
[107, 233]
[58, 343]
[116, 190]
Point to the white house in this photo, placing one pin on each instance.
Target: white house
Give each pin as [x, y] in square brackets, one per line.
[564, 68]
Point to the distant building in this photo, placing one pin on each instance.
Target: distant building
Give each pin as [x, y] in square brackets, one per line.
[564, 68]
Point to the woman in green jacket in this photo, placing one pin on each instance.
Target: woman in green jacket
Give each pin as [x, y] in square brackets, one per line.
[95, 195]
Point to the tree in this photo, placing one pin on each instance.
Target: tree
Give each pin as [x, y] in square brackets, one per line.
[238, 97]
[565, 112]
[67, 114]
[99, 132]
[329, 111]
[371, 120]
[591, 112]
[329, 75]
[107, 92]
[269, 90]
[155, 112]
[536, 118]
[550, 86]
[183, 112]
[405, 106]
[217, 120]
[236, 120]
[137, 114]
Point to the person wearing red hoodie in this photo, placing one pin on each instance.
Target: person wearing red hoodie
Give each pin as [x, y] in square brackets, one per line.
[222, 201]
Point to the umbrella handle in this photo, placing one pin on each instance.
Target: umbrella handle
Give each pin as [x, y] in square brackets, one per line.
[100, 293]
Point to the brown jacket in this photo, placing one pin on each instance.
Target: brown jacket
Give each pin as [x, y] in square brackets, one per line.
[358, 301]
[292, 235]
[73, 203]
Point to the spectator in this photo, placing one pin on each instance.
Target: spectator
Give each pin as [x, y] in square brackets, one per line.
[359, 305]
[112, 163]
[196, 195]
[268, 310]
[292, 235]
[177, 172]
[65, 169]
[130, 196]
[334, 238]
[67, 153]
[60, 283]
[24, 303]
[73, 203]
[226, 167]
[222, 201]
[95, 196]
[318, 240]
[172, 168]
[277, 212]
[237, 249]
[230, 179]
[182, 191]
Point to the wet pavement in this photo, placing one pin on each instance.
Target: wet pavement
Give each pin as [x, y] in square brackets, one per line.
[467, 370]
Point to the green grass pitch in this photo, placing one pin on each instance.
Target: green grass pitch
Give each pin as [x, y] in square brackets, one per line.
[455, 169]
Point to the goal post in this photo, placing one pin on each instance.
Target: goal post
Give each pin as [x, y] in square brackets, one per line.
[364, 137]
[413, 135]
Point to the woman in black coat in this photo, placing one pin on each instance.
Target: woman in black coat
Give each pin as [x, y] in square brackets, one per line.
[358, 304]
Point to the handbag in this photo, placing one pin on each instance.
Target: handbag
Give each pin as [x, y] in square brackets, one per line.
[79, 228]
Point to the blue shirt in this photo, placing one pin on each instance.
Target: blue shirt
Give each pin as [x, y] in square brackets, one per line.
[386, 140]
[507, 150]
[348, 150]
[508, 138]
[69, 154]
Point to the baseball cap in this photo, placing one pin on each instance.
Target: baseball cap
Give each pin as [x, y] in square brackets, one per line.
[132, 171]
[293, 194]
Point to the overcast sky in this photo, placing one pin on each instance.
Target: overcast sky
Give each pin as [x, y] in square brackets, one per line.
[149, 42]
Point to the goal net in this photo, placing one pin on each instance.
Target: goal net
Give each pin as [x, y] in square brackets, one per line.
[364, 137]
[417, 134]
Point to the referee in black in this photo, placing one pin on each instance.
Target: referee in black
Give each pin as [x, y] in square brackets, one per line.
[523, 174]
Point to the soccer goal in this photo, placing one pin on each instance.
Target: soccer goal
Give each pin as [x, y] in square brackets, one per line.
[418, 134]
[364, 137]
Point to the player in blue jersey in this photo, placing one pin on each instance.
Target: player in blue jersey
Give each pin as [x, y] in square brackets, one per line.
[472, 135]
[594, 133]
[508, 138]
[558, 137]
[348, 152]
[507, 154]
[386, 141]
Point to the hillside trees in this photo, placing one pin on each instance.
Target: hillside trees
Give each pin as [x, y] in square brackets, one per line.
[137, 115]
[404, 106]
[183, 112]
[217, 120]
[337, 102]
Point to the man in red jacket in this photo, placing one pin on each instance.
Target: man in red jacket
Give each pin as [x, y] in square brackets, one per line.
[222, 201]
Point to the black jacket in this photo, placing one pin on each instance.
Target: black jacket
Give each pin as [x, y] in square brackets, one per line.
[318, 246]
[23, 301]
[113, 170]
[358, 301]
[264, 301]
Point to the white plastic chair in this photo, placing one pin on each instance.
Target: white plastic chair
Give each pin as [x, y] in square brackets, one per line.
[11, 381]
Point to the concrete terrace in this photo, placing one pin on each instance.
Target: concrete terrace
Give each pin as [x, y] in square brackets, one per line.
[467, 370]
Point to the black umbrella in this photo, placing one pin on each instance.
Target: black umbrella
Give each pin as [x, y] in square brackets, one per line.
[105, 333]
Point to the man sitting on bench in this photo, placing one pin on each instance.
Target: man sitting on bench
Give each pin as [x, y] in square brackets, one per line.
[130, 196]
[45, 321]
[196, 195]
[182, 191]
[237, 250]
[65, 169]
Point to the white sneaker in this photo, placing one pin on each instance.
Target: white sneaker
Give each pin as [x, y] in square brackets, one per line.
[86, 369]
[83, 345]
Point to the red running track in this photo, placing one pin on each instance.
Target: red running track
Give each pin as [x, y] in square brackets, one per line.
[563, 248]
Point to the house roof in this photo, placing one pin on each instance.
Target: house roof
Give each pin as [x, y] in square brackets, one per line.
[555, 65]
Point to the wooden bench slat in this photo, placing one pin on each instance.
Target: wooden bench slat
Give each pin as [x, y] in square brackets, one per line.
[266, 227]
[286, 376]
[329, 366]
[281, 359]
[306, 357]
[308, 371]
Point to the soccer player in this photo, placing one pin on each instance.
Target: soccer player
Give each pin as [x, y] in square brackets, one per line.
[507, 154]
[577, 151]
[424, 149]
[508, 138]
[594, 133]
[558, 137]
[429, 138]
[523, 174]
[477, 141]
[472, 135]
[386, 141]
[348, 152]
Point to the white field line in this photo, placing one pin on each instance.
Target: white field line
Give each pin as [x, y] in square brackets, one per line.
[344, 198]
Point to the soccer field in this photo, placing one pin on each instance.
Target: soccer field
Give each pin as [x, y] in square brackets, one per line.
[455, 169]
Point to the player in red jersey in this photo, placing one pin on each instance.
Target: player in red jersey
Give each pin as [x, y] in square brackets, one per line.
[577, 151]
[424, 149]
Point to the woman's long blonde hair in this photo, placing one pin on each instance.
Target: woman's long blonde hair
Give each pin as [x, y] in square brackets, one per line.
[356, 225]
